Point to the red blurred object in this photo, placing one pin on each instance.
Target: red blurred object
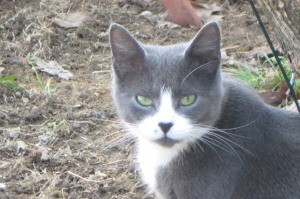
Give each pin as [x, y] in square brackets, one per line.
[182, 13]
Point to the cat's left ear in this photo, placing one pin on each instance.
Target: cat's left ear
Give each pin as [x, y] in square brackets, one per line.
[206, 44]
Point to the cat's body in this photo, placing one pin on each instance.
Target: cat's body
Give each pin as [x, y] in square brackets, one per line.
[200, 134]
[270, 168]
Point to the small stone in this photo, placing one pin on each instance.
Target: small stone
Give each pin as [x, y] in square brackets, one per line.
[101, 115]
[47, 137]
[100, 174]
[103, 35]
[146, 14]
[77, 125]
[150, 16]
[25, 100]
[21, 147]
[2, 186]
[18, 94]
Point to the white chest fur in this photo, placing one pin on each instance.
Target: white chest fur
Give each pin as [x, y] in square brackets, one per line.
[151, 157]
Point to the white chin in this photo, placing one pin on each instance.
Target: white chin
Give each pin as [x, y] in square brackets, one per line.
[166, 141]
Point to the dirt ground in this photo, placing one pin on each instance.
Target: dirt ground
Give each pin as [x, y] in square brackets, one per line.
[66, 142]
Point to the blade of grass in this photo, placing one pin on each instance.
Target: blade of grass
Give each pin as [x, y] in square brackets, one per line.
[9, 82]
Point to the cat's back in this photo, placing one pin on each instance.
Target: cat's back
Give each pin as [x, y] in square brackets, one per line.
[272, 170]
[243, 103]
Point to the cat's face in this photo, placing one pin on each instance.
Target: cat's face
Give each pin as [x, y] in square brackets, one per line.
[167, 95]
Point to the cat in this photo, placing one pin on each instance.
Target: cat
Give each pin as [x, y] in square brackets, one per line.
[199, 133]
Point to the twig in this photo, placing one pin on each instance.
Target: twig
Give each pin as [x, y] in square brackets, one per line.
[85, 179]
[101, 71]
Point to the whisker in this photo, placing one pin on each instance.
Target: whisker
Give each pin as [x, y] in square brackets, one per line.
[239, 127]
[224, 130]
[222, 137]
[119, 140]
[208, 144]
[197, 69]
[224, 143]
[215, 144]
[112, 134]
[193, 144]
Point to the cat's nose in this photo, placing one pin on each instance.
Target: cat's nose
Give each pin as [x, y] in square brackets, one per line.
[165, 126]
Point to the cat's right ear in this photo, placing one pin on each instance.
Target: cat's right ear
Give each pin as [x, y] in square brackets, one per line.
[124, 47]
[206, 44]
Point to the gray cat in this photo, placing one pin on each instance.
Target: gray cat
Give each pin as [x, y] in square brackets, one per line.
[199, 133]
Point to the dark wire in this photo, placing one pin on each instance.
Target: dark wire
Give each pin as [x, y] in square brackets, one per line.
[275, 54]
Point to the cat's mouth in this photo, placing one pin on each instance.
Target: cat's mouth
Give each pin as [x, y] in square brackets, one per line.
[166, 141]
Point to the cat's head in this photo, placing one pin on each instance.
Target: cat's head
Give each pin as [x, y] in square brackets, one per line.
[167, 94]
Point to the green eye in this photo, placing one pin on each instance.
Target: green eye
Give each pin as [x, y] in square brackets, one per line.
[145, 101]
[187, 100]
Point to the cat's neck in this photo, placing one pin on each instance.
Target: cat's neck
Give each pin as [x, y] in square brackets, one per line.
[151, 157]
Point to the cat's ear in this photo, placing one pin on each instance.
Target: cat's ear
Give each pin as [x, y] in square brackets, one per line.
[206, 44]
[123, 45]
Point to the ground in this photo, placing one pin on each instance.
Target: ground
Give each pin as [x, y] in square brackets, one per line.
[65, 141]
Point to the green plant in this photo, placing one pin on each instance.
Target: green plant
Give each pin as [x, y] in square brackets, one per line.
[278, 80]
[297, 86]
[255, 77]
[46, 86]
[54, 124]
[9, 82]
[266, 76]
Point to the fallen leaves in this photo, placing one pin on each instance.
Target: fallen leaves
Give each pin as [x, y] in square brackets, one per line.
[53, 68]
[200, 12]
[209, 12]
[150, 16]
[12, 132]
[182, 13]
[292, 107]
[71, 20]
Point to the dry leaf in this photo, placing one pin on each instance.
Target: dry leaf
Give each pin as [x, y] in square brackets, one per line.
[182, 13]
[273, 98]
[209, 12]
[150, 16]
[292, 107]
[53, 68]
[166, 24]
[258, 51]
[71, 20]
[45, 153]
[12, 132]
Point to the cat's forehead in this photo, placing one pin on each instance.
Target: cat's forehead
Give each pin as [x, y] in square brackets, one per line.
[162, 70]
[165, 62]
[163, 55]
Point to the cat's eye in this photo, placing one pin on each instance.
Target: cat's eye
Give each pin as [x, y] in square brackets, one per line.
[144, 101]
[187, 100]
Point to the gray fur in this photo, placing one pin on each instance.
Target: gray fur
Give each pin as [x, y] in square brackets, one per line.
[264, 160]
